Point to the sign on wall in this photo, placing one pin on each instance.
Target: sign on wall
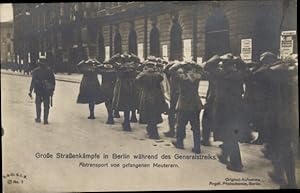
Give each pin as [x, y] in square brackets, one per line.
[165, 52]
[141, 51]
[287, 43]
[246, 49]
[187, 49]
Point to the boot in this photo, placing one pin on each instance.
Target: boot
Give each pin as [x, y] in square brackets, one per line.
[110, 120]
[126, 126]
[154, 133]
[196, 136]
[38, 113]
[222, 159]
[91, 108]
[234, 168]
[46, 113]
[92, 116]
[178, 144]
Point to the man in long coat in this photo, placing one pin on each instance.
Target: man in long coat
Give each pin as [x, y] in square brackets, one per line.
[152, 101]
[283, 77]
[125, 97]
[227, 110]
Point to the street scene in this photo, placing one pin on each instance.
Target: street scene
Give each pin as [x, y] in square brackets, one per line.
[22, 134]
[148, 96]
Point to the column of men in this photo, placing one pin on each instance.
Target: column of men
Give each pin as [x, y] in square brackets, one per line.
[241, 98]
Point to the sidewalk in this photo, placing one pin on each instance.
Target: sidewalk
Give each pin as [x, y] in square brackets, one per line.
[76, 78]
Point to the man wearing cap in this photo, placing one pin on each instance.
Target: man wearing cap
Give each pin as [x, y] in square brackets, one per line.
[43, 84]
[228, 107]
[189, 104]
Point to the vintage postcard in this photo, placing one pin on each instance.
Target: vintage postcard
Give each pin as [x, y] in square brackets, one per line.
[149, 96]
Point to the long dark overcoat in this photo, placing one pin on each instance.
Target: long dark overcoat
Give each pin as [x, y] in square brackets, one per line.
[256, 100]
[125, 96]
[108, 84]
[285, 103]
[90, 91]
[228, 105]
[152, 102]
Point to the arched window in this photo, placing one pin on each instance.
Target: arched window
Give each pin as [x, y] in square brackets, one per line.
[117, 42]
[132, 40]
[217, 34]
[154, 40]
[101, 47]
[176, 50]
[267, 34]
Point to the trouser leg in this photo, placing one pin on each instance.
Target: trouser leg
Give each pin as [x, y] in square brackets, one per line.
[195, 123]
[180, 130]
[152, 131]
[235, 154]
[206, 126]
[231, 149]
[38, 103]
[108, 105]
[172, 116]
[126, 123]
[91, 108]
[46, 101]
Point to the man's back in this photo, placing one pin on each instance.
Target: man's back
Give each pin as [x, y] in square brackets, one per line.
[43, 80]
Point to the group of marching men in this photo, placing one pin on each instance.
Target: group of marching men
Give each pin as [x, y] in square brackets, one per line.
[241, 98]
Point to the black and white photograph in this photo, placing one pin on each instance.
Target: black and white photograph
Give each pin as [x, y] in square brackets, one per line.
[149, 96]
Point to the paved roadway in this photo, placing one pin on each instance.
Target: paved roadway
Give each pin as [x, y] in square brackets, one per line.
[70, 131]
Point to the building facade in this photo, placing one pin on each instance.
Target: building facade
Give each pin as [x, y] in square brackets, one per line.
[6, 36]
[174, 30]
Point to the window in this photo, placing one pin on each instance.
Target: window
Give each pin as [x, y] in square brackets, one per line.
[176, 40]
[101, 47]
[117, 42]
[8, 35]
[217, 34]
[132, 40]
[154, 42]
